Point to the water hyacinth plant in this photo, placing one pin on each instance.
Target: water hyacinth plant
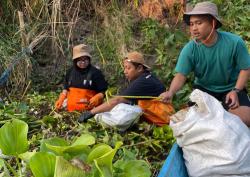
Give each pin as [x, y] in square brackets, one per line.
[55, 155]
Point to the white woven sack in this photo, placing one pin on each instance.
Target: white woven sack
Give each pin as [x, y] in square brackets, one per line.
[122, 116]
[215, 143]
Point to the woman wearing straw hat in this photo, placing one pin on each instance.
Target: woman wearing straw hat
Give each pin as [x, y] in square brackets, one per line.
[84, 85]
[220, 62]
[142, 85]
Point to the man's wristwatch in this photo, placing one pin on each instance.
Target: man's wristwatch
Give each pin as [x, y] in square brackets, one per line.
[236, 90]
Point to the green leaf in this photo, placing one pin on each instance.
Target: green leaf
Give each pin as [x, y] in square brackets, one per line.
[66, 169]
[52, 141]
[138, 168]
[13, 137]
[26, 156]
[1, 164]
[103, 156]
[42, 164]
[80, 146]
[127, 156]
[170, 40]
[84, 139]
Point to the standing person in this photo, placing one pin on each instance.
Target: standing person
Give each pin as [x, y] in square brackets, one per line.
[220, 62]
[142, 83]
[84, 85]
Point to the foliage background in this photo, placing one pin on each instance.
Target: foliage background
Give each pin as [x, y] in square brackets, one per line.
[111, 28]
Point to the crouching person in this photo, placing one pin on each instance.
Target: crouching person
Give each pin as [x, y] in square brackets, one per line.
[84, 86]
[142, 84]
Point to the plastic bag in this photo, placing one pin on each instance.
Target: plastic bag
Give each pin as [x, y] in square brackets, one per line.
[122, 116]
[214, 142]
[156, 111]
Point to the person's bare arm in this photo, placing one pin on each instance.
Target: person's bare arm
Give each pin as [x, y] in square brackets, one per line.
[240, 84]
[176, 84]
[107, 106]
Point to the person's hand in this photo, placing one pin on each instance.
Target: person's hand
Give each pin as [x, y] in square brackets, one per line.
[85, 116]
[96, 100]
[60, 100]
[166, 97]
[232, 100]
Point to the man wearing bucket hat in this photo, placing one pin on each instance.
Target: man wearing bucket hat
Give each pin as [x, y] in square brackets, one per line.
[141, 83]
[84, 85]
[220, 62]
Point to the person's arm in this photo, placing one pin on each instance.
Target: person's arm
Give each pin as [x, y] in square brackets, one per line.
[176, 84]
[60, 100]
[240, 85]
[100, 86]
[243, 79]
[184, 66]
[107, 106]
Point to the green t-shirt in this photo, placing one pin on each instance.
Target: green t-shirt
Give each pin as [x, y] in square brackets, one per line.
[216, 68]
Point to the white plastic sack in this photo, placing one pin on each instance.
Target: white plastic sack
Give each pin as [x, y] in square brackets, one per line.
[122, 116]
[214, 142]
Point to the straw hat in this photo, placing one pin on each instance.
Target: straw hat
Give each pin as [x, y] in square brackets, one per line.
[81, 51]
[203, 8]
[136, 57]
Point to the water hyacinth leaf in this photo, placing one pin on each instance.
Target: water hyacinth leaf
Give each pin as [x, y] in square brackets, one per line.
[99, 151]
[103, 156]
[69, 152]
[65, 169]
[78, 147]
[13, 137]
[52, 141]
[81, 145]
[84, 139]
[1, 164]
[77, 150]
[58, 150]
[104, 171]
[42, 164]
[26, 156]
[138, 168]
[107, 158]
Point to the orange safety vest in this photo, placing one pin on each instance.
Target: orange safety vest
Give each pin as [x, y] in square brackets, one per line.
[156, 111]
[78, 99]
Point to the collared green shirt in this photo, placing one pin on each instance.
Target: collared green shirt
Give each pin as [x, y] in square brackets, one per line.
[216, 68]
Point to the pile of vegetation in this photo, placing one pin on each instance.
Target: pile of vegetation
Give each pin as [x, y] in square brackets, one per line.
[35, 49]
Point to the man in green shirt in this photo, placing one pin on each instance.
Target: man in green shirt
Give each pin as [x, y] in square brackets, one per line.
[220, 62]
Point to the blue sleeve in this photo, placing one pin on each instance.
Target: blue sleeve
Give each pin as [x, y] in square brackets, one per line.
[242, 56]
[185, 63]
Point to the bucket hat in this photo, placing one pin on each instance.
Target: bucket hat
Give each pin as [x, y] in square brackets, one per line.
[136, 57]
[203, 8]
[81, 51]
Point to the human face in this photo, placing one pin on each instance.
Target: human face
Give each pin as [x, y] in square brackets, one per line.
[130, 71]
[82, 62]
[200, 27]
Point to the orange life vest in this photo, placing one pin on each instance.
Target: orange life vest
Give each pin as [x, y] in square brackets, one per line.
[156, 111]
[78, 99]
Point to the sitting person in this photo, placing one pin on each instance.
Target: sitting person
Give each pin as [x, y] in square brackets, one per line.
[142, 83]
[84, 85]
[219, 60]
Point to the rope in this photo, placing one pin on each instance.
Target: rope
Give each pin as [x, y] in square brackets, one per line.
[139, 97]
[108, 94]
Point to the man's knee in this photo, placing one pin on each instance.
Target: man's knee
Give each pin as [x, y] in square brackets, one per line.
[243, 112]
